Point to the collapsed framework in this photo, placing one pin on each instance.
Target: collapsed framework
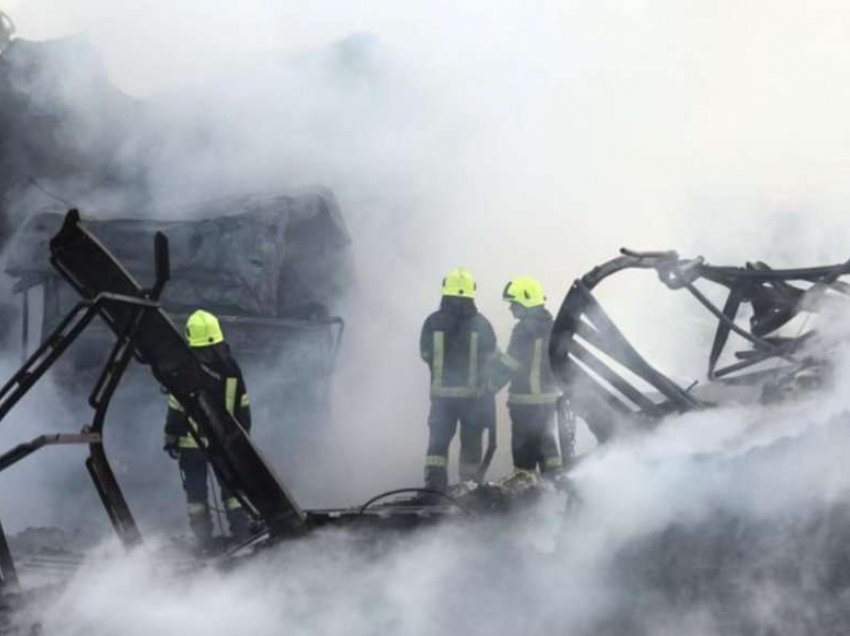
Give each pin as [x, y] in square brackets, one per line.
[606, 382]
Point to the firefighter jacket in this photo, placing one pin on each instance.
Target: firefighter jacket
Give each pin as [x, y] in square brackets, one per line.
[526, 363]
[457, 342]
[231, 391]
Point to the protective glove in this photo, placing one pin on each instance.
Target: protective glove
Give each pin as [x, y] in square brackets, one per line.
[170, 447]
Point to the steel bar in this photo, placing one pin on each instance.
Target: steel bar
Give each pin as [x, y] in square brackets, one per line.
[26, 449]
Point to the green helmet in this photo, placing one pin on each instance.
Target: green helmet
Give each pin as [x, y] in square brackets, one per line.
[526, 291]
[459, 282]
[203, 330]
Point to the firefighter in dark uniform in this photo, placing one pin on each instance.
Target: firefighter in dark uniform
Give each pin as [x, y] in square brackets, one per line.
[458, 343]
[533, 393]
[204, 335]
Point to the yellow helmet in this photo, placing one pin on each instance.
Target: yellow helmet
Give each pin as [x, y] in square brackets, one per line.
[459, 282]
[203, 330]
[526, 291]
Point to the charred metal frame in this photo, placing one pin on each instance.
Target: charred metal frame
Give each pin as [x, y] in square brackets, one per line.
[157, 343]
[35, 367]
[145, 332]
[604, 397]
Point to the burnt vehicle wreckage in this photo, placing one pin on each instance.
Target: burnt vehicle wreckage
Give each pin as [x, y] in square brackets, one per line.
[584, 342]
[143, 331]
[614, 389]
[270, 267]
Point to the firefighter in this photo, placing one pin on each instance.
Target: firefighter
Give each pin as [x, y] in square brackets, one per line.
[533, 393]
[204, 335]
[457, 342]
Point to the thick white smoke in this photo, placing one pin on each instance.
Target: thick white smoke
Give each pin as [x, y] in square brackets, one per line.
[509, 138]
[505, 138]
[717, 475]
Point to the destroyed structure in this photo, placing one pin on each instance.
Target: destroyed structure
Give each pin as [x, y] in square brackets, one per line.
[270, 267]
[692, 563]
[273, 268]
[142, 331]
[67, 133]
[615, 390]
[105, 292]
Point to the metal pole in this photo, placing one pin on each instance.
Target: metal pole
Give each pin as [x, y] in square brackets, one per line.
[8, 573]
[25, 325]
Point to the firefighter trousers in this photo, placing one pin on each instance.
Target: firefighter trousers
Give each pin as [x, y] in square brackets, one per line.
[474, 414]
[194, 472]
[533, 440]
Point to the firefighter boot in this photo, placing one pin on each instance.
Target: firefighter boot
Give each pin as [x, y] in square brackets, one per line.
[240, 524]
[201, 525]
[436, 472]
[469, 471]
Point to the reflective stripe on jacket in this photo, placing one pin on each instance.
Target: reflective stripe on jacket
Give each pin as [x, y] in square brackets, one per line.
[235, 398]
[457, 342]
[526, 363]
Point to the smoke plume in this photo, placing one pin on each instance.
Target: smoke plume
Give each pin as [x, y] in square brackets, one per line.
[510, 139]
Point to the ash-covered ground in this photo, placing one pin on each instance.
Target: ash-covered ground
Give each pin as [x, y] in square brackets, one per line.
[732, 522]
